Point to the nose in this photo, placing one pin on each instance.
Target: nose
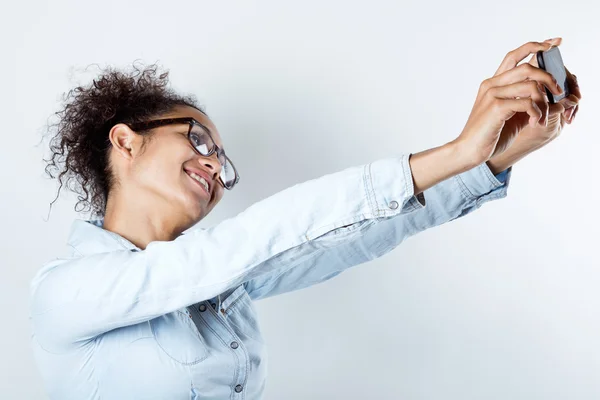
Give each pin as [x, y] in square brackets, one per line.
[212, 164]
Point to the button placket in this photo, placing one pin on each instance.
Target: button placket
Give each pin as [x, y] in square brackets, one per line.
[239, 351]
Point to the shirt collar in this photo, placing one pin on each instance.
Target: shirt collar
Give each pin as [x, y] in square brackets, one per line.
[88, 237]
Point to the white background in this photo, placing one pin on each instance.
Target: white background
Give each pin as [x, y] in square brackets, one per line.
[502, 304]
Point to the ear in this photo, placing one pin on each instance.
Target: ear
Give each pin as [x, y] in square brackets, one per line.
[124, 140]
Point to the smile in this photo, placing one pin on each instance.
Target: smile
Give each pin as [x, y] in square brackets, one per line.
[199, 180]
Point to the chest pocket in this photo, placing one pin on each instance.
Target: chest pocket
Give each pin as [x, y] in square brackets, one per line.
[239, 312]
[179, 338]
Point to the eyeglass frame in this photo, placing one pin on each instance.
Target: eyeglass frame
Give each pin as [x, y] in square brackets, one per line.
[155, 123]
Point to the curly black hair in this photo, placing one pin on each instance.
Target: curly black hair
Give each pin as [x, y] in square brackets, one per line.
[79, 144]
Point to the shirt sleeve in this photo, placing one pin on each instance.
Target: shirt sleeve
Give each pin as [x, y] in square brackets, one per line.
[74, 300]
[503, 176]
[359, 243]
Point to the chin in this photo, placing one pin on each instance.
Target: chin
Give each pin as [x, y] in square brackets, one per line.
[196, 211]
[196, 208]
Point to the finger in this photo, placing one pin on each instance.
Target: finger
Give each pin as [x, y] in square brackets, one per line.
[517, 55]
[533, 61]
[520, 90]
[525, 89]
[542, 89]
[554, 41]
[555, 108]
[575, 113]
[509, 107]
[569, 101]
[573, 84]
[570, 113]
[523, 72]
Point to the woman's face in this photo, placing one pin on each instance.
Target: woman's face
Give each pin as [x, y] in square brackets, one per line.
[162, 171]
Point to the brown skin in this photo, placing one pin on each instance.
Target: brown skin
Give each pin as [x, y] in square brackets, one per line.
[154, 199]
[508, 121]
[532, 138]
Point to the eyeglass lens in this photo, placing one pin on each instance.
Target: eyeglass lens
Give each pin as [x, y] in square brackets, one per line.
[202, 141]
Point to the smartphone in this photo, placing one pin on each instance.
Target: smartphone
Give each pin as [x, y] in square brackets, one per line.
[551, 61]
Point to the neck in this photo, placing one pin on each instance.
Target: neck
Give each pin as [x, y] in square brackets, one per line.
[141, 222]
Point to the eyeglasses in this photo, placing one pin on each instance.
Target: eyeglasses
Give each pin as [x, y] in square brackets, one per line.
[202, 141]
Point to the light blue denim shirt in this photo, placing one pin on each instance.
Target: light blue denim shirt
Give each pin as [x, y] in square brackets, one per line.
[176, 320]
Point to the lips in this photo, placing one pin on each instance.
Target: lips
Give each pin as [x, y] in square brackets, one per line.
[203, 174]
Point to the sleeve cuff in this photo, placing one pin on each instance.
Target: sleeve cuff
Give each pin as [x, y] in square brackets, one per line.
[480, 181]
[502, 176]
[390, 188]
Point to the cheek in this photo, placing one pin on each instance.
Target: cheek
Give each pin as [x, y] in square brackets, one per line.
[219, 191]
[159, 172]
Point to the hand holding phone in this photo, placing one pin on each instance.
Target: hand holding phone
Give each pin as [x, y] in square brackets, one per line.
[551, 61]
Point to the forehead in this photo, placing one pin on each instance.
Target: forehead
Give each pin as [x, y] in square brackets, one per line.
[186, 111]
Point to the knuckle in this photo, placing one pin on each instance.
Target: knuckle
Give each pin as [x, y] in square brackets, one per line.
[490, 93]
[528, 68]
[510, 55]
[533, 86]
[485, 85]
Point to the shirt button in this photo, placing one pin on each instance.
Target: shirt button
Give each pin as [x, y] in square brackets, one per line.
[202, 307]
[234, 345]
[214, 305]
[393, 205]
[238, 388]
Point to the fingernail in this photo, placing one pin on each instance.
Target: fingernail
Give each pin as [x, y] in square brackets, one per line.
[569, 113]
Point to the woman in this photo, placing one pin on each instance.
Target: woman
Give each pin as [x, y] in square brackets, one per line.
[139, 310]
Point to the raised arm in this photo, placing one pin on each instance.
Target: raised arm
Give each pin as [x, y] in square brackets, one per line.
[74, 300]
[342, 249]
[77, 299]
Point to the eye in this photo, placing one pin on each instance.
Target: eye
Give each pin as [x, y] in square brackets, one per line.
[195, 139]
[201, 141]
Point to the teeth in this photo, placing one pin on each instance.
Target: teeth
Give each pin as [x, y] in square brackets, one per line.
[200, 179]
